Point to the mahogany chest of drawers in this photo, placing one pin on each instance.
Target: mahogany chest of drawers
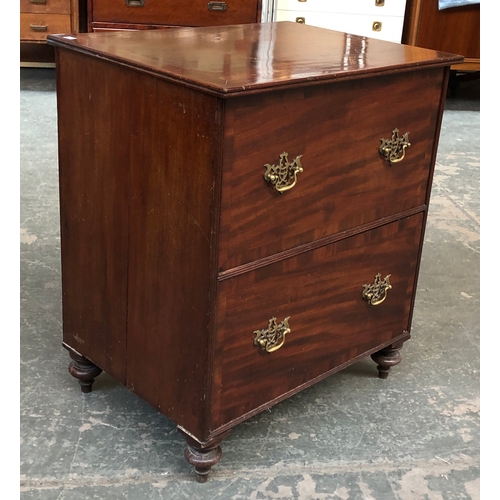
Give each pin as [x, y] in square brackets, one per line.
[242, 211]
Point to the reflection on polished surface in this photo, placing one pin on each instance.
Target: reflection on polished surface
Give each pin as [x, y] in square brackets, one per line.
[229, 59]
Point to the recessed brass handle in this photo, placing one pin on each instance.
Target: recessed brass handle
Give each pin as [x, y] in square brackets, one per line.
[217, 6]
[39, 27]
[283, 176]
[379, 3]
[376, 292]
[273, 337]
[377, 26]
[134, 3]
[38, 1]
[393, 149]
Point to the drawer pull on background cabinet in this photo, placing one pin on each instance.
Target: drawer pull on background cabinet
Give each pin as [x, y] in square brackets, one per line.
[273, 337]
[379, 3]
[283, 176]
[39, 27]
[134, 3]
[376, 293]
[217, 6]
[393, 149]
[300, 20]
[377, 26]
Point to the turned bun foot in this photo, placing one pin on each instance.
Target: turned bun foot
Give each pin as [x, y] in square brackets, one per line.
[387, 358]
[83, 370]
[202, 456]
[202, 461]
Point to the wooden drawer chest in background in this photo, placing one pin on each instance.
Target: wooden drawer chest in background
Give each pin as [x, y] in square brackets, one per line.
[149, 14]
[242, 211]
[382, 19]
[40, 18]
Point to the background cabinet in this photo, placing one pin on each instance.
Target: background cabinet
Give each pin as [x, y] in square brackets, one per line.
[40, 18]
[382, 19]
[454, 30]
[150, 14]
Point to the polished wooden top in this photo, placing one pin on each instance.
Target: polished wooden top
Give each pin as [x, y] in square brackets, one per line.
[229, 60]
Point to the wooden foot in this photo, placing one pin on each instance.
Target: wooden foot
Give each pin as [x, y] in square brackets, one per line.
[387, 358]
[83, 369]
[202, 456]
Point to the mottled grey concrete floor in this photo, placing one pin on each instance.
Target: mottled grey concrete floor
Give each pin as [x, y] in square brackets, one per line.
[414, 436]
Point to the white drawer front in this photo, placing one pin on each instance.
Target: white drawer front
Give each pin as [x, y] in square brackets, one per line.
[368, 7]
[391, 27]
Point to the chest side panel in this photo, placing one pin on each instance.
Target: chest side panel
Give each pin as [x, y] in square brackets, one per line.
[320, 291]
[174, 164]
[94, 152]
[336, 131]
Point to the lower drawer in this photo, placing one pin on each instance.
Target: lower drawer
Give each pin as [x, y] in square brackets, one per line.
[320, 291]
[389, 28]
[38, 26]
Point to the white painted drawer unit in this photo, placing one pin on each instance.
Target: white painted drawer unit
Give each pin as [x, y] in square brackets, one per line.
[382, 19]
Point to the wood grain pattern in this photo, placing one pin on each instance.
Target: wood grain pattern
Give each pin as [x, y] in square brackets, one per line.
[337, 130]
[330, 322]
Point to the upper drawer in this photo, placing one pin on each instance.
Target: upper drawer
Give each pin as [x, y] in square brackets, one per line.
[375, 7]
[46, 6]
[336, 129]
[38, 26]
[176, 12]
[321, 292]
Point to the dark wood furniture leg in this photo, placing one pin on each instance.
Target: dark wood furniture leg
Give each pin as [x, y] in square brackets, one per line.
[203, 455]
[387, 358]
[82, 369]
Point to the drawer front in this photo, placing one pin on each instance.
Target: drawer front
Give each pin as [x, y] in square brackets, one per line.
[387, 28]
[321, 293]
[38, 26]
[337, 130]
[46, 6]
[371, 7]
[175, 12]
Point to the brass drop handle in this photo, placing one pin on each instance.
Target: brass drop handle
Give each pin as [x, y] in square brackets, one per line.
[273, 337]
[376, 292]
[393, 149]
[283, 177]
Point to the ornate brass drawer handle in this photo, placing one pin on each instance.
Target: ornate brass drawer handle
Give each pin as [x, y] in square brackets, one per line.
[273, 337]
[283, 176]
[393, 149]
[376, 293]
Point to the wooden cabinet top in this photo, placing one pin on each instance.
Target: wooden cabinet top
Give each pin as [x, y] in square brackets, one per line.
[230, 60]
